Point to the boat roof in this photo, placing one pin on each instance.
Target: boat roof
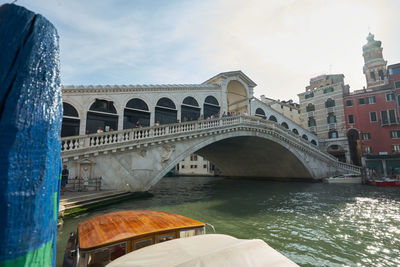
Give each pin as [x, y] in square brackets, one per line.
[205, 250]
[122, 225]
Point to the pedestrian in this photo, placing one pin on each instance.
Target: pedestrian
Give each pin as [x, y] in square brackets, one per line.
[157, 123]
[64, 178]
[99, 130]
[138, 125]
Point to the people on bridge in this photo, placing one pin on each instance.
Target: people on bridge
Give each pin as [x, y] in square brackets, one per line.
[99, 130]
[138, 125]
[64, 178]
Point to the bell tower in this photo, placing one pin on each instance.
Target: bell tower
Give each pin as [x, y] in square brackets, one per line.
[374, 64]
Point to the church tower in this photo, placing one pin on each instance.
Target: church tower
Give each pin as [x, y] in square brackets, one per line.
[374, 64]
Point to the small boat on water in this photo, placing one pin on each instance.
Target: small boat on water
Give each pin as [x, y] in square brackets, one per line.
[104, 238]
[385, 181]
[137, 238]
[343, 179]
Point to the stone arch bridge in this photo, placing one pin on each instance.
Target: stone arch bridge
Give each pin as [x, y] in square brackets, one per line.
[240, 146]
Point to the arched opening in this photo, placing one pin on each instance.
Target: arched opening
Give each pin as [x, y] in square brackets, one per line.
[237, 98]
[313, 142]
[70, 121]
[311, 122]
[165, 111]
[338, 152]
[260, 113]
[284, 124]
[295, 131]
[305, 137]
[102, 116]
[333, 134]
[353, 138]
[190, 109]
[136, 111]
[211, 107]
[310, 107]
[273, 118]
[329, 103]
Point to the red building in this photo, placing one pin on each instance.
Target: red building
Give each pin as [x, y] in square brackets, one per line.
[373, 114]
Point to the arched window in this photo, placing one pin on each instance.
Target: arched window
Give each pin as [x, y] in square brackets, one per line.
[310, 107]
[273, 118]
[329, 103]
[190, 109]
[305, 137]
[295, 131]
[333, 134]
[165, 111]
[331, 118]
[311, 122]
[211, 106]
[313, 142]
[70, 122]
[398, 100]
[260, 113]
[284, 124]
[102, 115]
[136, 111]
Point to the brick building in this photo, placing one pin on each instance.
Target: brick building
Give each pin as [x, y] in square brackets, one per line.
[372, 114]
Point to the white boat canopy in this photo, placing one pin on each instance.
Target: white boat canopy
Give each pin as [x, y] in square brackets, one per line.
[205, 250]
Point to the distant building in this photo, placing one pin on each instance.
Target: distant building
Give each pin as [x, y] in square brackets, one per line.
[321, 110]
[372, 114]
[289, 109]
[195, 165]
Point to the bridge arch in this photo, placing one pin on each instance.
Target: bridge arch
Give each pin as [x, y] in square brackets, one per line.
[285, 125]
[273, 118]
[220, 151]
[260, 113]
[165, 111]
[101, 115]
[295, 131]
[211, 106]
[71, 120]
[190, 109]
[136, 110]
[237, 97]
[305, 137]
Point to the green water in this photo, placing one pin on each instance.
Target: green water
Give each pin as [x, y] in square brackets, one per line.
[313, 224]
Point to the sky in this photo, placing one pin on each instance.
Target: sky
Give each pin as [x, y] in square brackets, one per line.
[279, 44]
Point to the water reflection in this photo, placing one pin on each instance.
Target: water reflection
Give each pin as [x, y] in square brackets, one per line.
[313, 224]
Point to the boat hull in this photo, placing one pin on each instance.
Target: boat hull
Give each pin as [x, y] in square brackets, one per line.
[385, 183]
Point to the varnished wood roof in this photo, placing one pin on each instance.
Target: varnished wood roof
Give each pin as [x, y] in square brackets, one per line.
[122, 225]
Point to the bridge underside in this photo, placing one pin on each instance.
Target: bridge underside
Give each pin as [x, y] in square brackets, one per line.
[254, 157]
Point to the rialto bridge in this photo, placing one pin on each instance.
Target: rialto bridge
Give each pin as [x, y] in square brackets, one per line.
[100, 137]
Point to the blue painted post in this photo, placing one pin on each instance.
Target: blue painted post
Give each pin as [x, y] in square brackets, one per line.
[30, 123]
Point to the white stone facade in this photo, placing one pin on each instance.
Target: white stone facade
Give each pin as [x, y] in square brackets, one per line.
[194, 165]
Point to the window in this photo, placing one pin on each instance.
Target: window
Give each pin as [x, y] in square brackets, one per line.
[372, 116]
[330, 103]
[372, 75]
[204, 166]
[328, 90]
[395, 134]
[183, 166]
[392, 116]
[331, 119]
[367, 150]
[349, 103]
[384, 117]
[351, 118]
[395, 148]
[309, 95]
[311, 122]
[390, 97]
[281, 106]
[365, 136]
[397, 84]
[361, 101]
[333, 134]
[193, 157]
[380, 74]
[371, 100]
[310, 107]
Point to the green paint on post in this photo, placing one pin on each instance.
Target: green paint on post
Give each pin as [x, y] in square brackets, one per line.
[36, 258]
[55, 205]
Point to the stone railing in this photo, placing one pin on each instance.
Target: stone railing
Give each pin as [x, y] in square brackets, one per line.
[163, 132]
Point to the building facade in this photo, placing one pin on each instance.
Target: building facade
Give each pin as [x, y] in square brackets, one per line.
[372, 114]
[289, 109]
[321, 111]
[195, 165]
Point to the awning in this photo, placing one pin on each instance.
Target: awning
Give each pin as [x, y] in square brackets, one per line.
[205, 250]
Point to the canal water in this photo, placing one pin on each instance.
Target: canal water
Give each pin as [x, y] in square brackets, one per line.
[313, 224]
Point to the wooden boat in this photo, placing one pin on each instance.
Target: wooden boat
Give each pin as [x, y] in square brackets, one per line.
[104, 238]
[385, 182]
